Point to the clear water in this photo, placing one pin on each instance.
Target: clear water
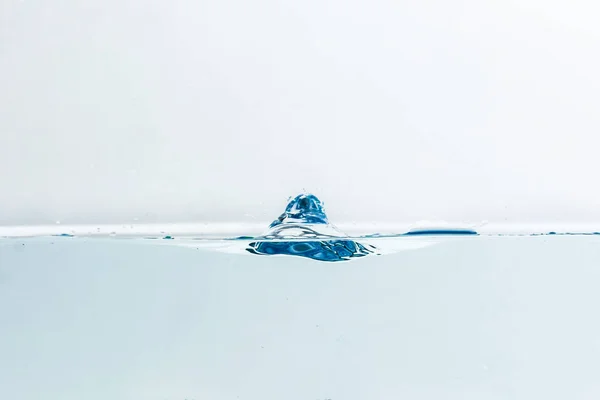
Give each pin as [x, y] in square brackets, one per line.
[421, 317]
[464, 318]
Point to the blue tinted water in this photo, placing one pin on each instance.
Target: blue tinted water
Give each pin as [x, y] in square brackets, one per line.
[458, 318]
[430, 315]
[303, 230]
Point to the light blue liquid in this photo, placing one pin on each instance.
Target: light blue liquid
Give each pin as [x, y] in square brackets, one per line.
[466, 318]
[439, 317]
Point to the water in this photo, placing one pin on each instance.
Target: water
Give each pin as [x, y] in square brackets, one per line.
[421, 317]
[304, 230]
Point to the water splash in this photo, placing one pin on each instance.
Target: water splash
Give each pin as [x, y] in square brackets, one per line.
[323, 250]
[302, 209]
[304, 230]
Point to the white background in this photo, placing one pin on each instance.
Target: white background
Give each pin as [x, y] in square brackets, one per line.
[120, 111]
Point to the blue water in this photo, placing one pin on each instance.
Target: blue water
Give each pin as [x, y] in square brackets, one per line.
[302, 209]
[309, 233]
[469, 317]
[324, 250]
[438, 314]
